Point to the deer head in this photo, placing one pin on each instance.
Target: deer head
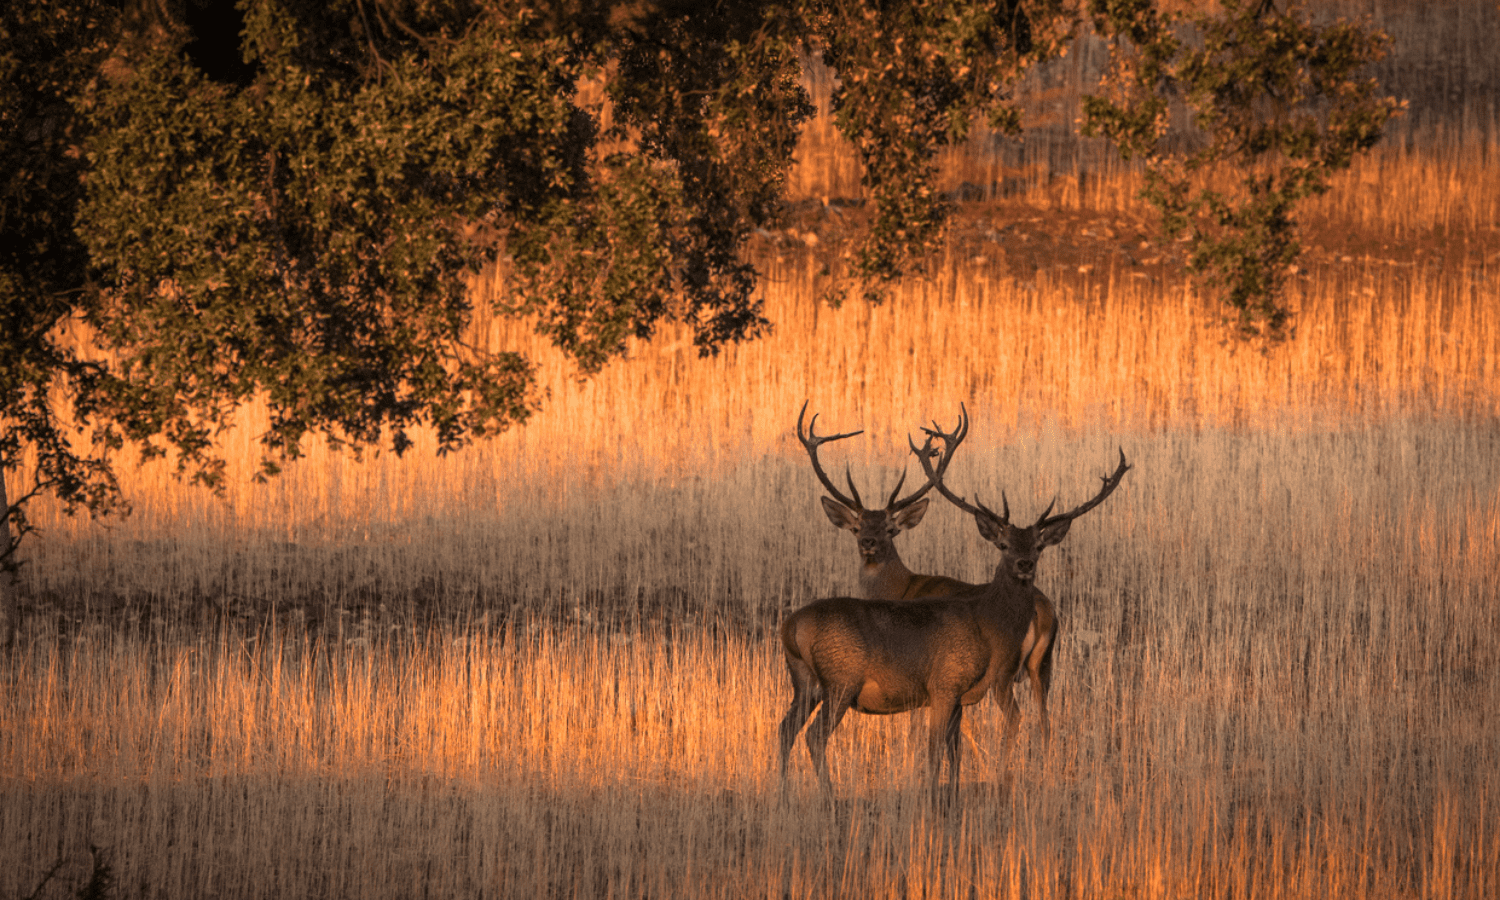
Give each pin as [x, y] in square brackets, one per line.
[1019, 546]
[875, 528]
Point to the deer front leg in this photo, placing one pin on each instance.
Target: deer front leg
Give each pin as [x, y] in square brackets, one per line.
[1005, 698]
[946, 721]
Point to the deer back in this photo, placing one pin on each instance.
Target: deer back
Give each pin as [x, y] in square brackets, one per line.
[931, 587]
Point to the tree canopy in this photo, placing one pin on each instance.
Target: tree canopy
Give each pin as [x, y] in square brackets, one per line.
[288, 197]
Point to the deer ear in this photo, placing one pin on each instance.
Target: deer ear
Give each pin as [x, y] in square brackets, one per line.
[1054, 533]
[989, 527]
[909, 517]
[840, 515]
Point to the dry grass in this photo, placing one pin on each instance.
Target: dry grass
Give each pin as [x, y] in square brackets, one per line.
[1275, 679]
[546, 666]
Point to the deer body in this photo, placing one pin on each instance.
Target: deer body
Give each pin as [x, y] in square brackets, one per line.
[885, 657]
[882, 574]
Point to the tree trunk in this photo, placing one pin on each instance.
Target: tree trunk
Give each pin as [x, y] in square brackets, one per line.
[10, 607]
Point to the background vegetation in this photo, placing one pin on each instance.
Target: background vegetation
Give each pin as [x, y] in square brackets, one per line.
[546, 665]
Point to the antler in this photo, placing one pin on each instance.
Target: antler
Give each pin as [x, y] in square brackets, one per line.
[934, 479]
[811, 440]
[950, 443]
[1110, 483]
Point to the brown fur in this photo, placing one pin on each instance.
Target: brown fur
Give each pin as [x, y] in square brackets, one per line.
[883, 657]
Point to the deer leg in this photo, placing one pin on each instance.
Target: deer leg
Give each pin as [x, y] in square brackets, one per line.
[1005, 697]
[947, 730]
[1039, 665]
[835, 704]
[805, 697]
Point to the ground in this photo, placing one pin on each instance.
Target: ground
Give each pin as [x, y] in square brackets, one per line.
[1022, 238]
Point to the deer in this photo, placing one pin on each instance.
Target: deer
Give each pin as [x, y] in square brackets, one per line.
[944, 653]
[882, 574]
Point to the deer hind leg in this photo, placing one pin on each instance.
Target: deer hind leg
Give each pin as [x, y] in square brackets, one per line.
[835, 704]
[805, 696]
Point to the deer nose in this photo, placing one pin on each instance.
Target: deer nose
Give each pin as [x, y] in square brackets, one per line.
[1025, 565]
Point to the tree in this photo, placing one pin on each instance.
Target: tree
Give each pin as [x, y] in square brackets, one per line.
[296, 214]
[46, 53]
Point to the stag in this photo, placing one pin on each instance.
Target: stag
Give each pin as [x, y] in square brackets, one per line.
[883, 576]
[883, 657]
[1020, 548]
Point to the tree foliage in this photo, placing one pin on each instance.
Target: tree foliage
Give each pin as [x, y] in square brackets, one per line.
[298, 214]
[1279, 105]
[47, 53]
[913, 78]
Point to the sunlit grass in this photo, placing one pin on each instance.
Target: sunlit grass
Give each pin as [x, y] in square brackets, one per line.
[1105, 353]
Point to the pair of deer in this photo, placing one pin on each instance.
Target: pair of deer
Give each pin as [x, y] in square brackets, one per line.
[911, 640]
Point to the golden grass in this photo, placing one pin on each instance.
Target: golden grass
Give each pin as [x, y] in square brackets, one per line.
[1274, 680]
[547, 665]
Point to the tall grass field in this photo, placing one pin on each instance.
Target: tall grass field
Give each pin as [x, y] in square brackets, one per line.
[548, 665]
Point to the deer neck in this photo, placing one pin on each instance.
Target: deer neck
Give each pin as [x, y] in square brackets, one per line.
[1008, 593]
[884, 579]
[1005, 609]
[1005, 577]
